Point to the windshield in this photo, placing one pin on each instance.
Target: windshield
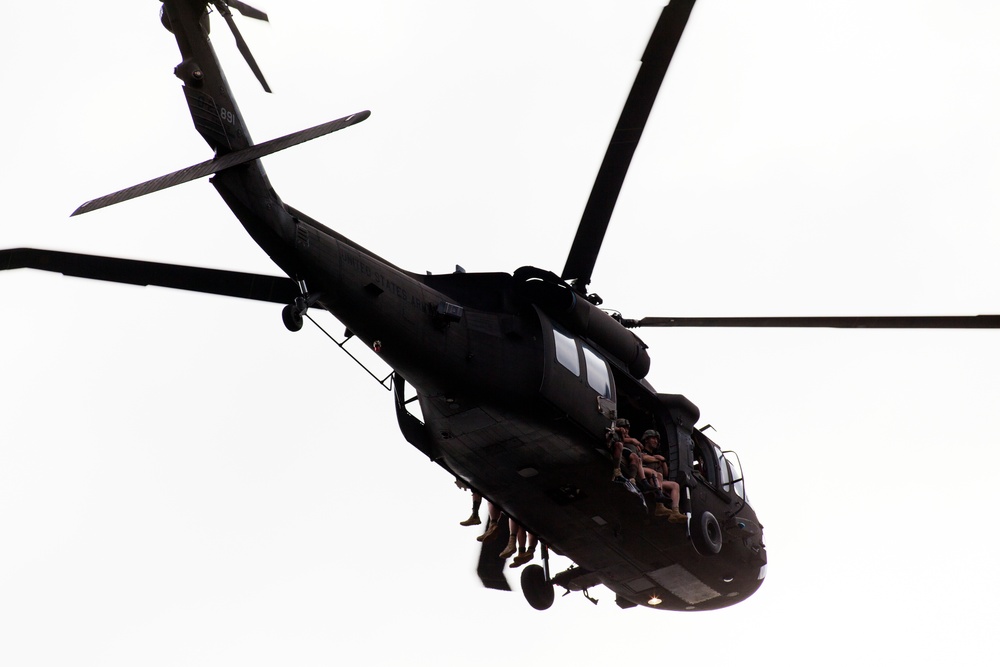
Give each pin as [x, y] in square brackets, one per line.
[730, 461]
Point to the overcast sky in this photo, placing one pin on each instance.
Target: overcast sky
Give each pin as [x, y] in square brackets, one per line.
[184, 482]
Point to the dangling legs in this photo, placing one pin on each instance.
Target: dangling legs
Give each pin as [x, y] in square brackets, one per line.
[492, 526]
[474, 519]
[512, 541]
[525, 555]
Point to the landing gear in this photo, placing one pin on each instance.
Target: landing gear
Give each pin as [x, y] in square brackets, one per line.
[292, 317]
[706, 534]
[293, 313]
[536, 584]
[537, 588]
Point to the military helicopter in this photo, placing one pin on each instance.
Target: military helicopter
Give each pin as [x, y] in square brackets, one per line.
[518, 376]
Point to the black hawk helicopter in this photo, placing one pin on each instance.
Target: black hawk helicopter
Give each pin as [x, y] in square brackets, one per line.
[518, 376]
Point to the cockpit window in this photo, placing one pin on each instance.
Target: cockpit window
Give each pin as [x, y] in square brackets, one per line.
[706, 460]
[566, 353]
[736, 469]
[724, 476]
[597, 373]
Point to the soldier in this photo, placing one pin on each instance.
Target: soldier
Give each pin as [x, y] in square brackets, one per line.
[655, 466]
[621, 446]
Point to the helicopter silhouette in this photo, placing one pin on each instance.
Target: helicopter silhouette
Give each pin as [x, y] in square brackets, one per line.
[518, 376]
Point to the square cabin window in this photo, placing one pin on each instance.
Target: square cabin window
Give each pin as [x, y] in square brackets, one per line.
[597, 373]
[566, 353]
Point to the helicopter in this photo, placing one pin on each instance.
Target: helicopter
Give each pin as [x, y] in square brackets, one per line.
[538, 453]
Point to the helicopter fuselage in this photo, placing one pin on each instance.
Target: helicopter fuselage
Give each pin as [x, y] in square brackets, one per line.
[518, 378]
[501, 411]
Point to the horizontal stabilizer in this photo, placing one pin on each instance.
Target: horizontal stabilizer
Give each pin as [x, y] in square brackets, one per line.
[273, 289]
[222, 162]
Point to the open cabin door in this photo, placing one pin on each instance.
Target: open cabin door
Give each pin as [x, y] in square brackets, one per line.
[576, 379]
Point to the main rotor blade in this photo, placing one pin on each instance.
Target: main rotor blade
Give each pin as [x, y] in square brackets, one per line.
[241, 43]
[892, 322]
[273, 289]
[608, 185]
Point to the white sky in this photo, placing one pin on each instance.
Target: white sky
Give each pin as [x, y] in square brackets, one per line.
[182, 481]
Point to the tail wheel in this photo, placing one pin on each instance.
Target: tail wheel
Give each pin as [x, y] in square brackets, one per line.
[706, 533]
[538, 591]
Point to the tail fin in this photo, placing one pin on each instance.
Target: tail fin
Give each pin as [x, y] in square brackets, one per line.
[239, 176]
[211, 103]
[210, 100]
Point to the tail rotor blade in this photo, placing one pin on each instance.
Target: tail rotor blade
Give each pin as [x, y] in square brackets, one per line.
[246, 10]
[241, 43]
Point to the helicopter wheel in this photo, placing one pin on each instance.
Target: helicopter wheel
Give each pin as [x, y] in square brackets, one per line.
[706, 534]
[292, 318]
[537, 591]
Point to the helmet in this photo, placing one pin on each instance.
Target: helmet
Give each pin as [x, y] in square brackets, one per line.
[622, 423]
[650, 434]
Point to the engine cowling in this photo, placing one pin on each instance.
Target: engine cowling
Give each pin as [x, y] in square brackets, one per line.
[560, 302]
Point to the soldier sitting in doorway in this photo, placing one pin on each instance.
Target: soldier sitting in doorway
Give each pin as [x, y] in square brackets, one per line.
[626, 453]
[623, 456]
[655, 466]
[623, 447]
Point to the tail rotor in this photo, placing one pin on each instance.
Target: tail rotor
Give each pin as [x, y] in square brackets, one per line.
[250, 12]
[246, 10]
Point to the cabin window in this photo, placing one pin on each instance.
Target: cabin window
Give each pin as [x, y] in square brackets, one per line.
[566, 361]
[566, 353]
[597, 373]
